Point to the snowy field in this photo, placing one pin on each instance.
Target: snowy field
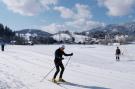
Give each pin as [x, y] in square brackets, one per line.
[91, 67]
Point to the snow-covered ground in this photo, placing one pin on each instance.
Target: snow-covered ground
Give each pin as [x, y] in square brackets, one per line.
[91, 67]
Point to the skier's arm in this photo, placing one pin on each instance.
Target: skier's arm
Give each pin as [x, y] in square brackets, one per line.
[120, 52]
[116, 52]
[67, 54]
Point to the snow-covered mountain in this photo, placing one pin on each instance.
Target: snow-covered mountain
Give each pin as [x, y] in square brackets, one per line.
[126, 29]
[33, 32]
[114, 29]
[33, 36]
[61, 37]
[64, 36]
[70, 37]
[130, 26]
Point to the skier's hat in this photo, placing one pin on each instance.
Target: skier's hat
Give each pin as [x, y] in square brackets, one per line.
[63, 46]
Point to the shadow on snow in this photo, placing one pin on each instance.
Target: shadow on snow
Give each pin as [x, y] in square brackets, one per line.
[83, 86]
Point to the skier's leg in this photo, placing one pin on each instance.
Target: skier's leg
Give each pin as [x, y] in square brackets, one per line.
[118, 57]
[2, 48]
[62, 70]
[57, 70]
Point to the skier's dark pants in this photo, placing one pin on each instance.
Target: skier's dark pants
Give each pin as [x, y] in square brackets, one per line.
[2, 47]
[117, 57]
[57, 65]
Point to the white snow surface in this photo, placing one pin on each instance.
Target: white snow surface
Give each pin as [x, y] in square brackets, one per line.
[91, 67]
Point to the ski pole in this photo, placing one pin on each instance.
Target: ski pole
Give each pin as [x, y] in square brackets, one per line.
[52, 70]
[47, 74]
[67, 61]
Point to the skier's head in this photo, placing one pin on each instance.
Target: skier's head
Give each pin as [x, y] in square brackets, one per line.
[62, 47]
[117, 47]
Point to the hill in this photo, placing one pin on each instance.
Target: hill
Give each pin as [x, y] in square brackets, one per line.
[35, 32]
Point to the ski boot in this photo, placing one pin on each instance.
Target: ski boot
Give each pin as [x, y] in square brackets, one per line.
[54, 81]
[61, 80]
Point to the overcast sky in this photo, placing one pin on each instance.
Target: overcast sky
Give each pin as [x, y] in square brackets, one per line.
[73, 15]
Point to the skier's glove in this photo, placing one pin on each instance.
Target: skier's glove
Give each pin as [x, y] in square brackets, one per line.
[71, 54]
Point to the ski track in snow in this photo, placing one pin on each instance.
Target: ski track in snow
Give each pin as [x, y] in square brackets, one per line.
[91, 67]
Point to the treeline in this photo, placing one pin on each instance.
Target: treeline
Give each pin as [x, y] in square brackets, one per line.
[34, 40]
[6, 34]
[9, 36]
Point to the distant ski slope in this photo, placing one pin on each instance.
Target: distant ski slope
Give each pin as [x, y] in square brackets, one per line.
[63, 37]
[91, 67]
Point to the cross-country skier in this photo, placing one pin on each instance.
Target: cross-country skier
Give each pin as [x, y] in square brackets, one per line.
[118, 53]
[58, 63]
[2, 46]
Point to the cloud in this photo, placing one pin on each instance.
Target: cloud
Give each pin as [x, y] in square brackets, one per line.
[76, 25]
[83, 12]
[118, 7]
[54, 28]
[83, 25]
[28, 7]
[65, 12]
[79, 17]
[78, 12]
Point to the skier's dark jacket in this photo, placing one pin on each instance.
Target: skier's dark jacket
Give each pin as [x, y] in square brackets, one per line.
[118, 52]
[59, 53]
